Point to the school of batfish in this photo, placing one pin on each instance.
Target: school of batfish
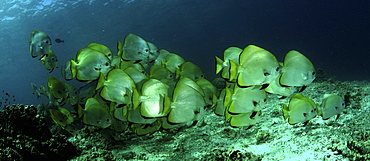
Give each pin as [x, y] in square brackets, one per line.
[145, 89]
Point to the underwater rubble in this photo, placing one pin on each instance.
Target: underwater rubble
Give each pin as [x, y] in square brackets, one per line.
[25, 136]
[345, 138]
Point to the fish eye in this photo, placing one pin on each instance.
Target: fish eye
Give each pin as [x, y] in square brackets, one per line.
[255, 103]
[254, 113]
[146, 50]
[313, 73]
[106, 64]
[277, 68]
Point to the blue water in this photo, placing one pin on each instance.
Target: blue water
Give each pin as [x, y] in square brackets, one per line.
[333, 34]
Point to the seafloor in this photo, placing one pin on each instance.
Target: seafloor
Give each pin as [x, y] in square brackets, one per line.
[271, 139]
[347, 138]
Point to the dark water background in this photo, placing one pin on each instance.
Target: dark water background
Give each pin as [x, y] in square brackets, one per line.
[333, 34]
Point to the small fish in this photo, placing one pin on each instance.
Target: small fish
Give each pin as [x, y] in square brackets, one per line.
[187, 102]
[159, 72]
[152, 56]
[61, 116]
[154, 99]
[39, 42]
[44, 91]
[135, 48]
[86, 91]
[49, 60]
[73, 96]
[257, 67]
[231, 53]
[210, 92]
[190, 70]
[95, 113]
[137, 76]
[153, 52]
[116, 60]
[220, 109]
[89, 64]
[300, 109]
[35, 90]
[101, 48]
[331, 105]
[245, 100]
[113, 88]
[172, 62]
[57, 40]
[57, 89]
[297, 70]
[161, 57]
[66, 70]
